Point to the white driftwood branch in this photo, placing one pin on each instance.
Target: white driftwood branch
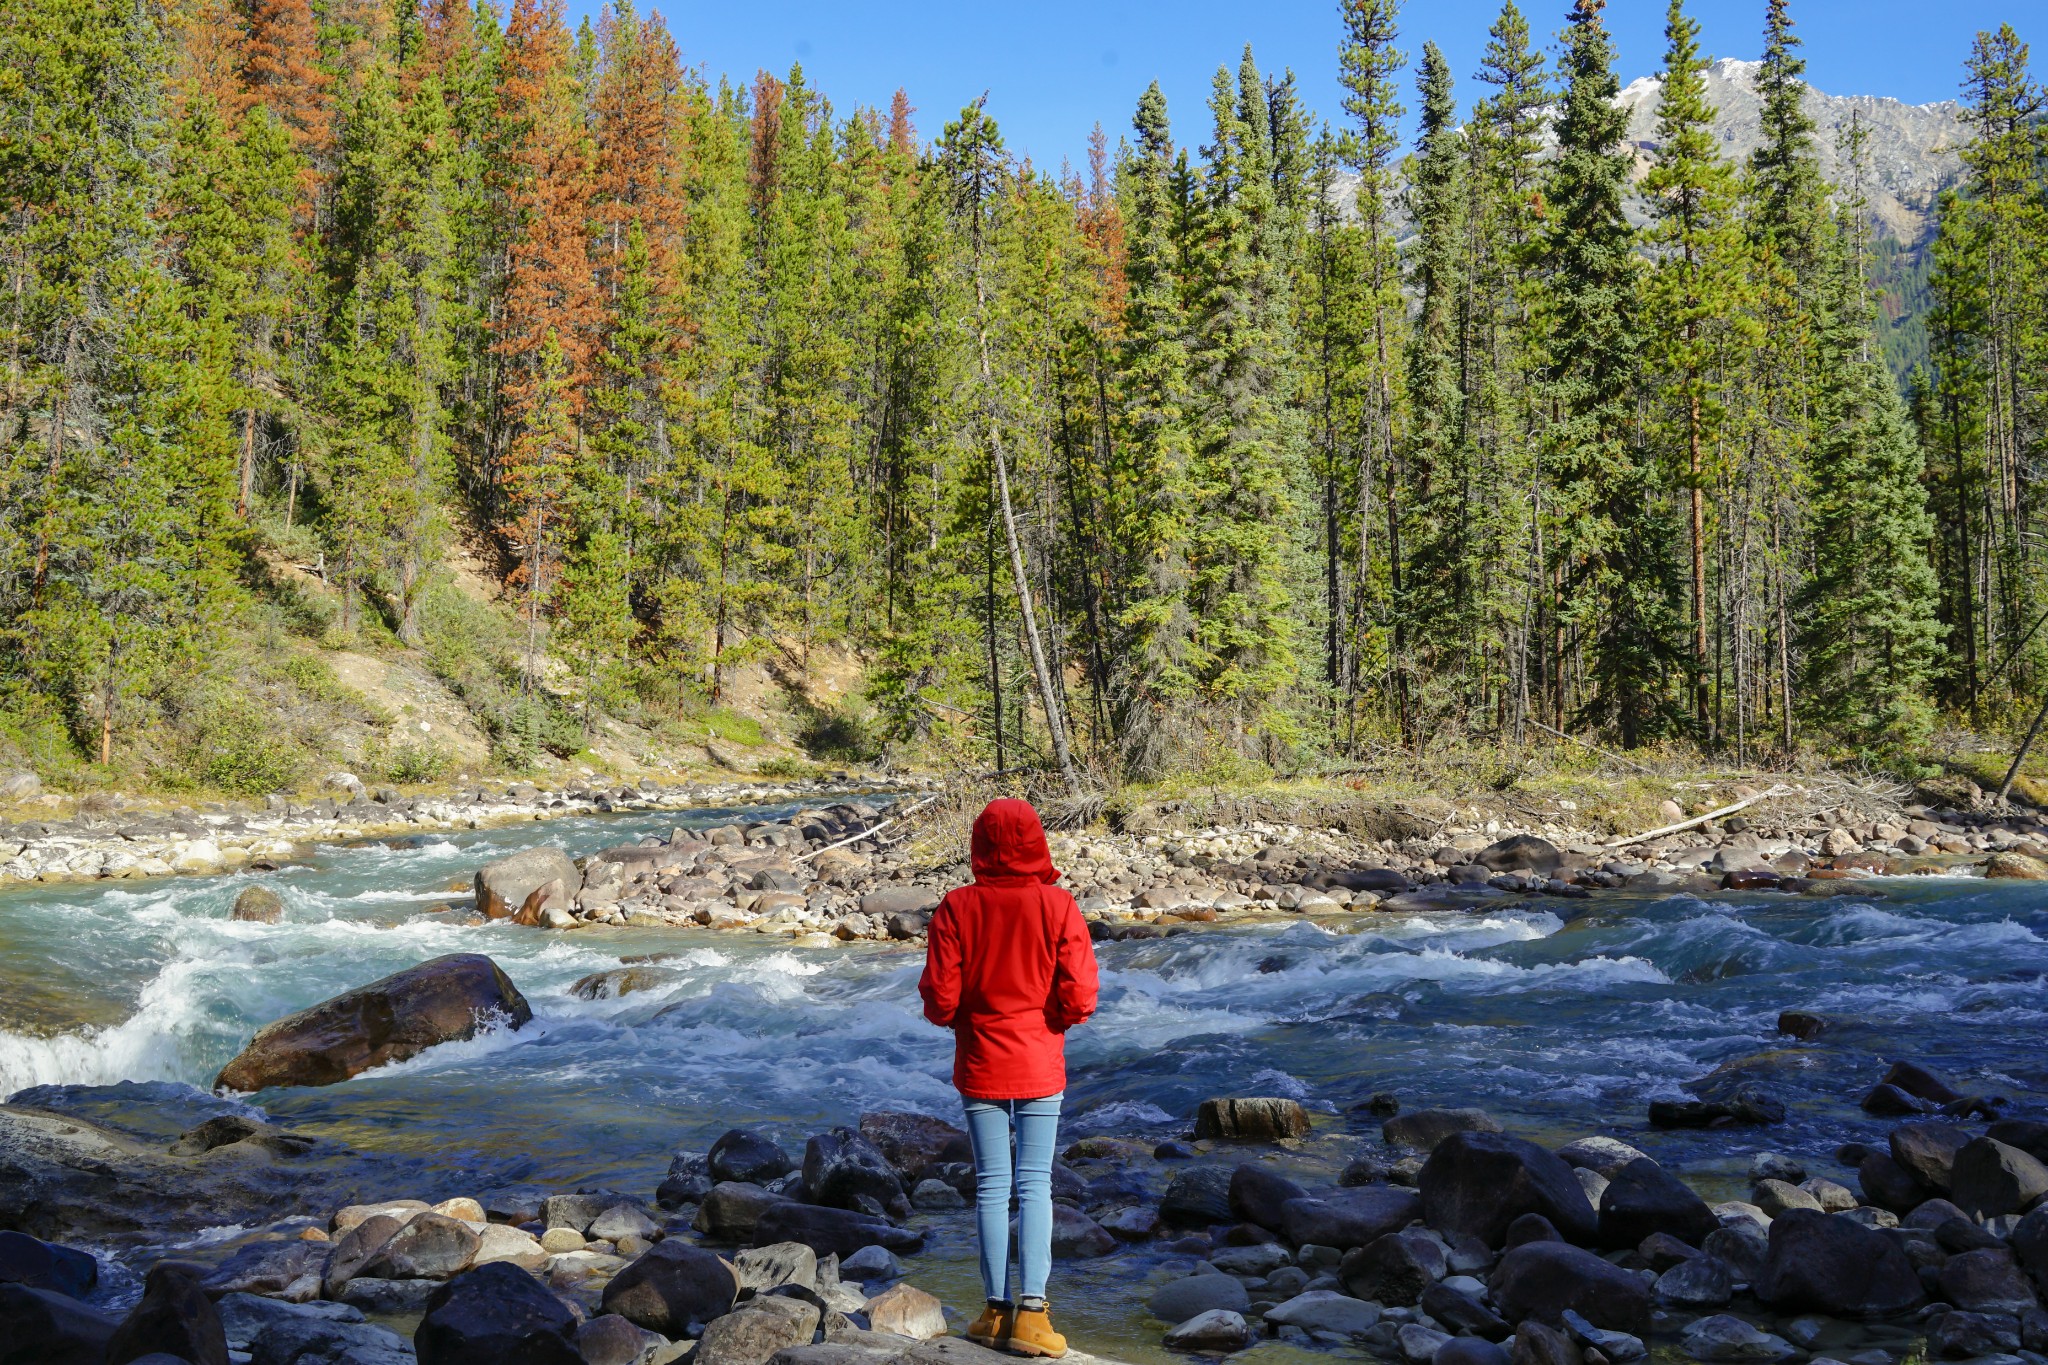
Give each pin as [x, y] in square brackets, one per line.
[1700, 819]
[869, 832]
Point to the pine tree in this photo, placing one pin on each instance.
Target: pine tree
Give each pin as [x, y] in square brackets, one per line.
[1610, 552]
[1695, 303]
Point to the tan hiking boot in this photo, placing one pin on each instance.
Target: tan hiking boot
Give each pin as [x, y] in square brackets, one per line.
[992, 1328]
[1031, 1334]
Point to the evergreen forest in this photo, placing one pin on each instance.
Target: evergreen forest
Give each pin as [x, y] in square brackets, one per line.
[1270, 439]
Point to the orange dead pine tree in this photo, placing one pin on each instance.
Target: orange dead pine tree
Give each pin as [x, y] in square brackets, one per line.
[549, 317]
[281, 70]
[640, 122]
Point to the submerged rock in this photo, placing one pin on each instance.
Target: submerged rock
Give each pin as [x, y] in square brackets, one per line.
[444, 1000]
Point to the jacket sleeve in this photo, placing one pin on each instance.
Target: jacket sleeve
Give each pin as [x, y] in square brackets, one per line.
[940, 984]
[1075, 984]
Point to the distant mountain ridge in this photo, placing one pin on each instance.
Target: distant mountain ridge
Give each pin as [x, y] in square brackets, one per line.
[1914, 150]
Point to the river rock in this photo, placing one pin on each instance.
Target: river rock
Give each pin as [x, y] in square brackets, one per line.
[432, 1246]
[496, 1315]
[2029, 1135]
[1257, 1196]
[1423, 1129]
[1197, 1195]
[621, 1221]
[1476, 1184]
[1077, 1237]
[907, 1311]
[2029, 1243]
[1322, 1310]
[1463, 1312]
[1537, 1344]
[672, 1286]
[1192, 1295]
[1702, 1282]
[1348, 1218]
[1986, 1281]
[1469, 1351]
[353, 1251]
[1725, 1337]
[1888, 1185]
[1216, 1332]
[1394, 1269]
[1829, 1264]
[1775, 1197]
[1250, 1120]
[912, 1143]
[892, 900]
[609, 1339]
[521, 886]
[1959, 1336]
[731, 1212]
[760, 1269]
[174, 1316]
[1989, 1179]
[2016, 867]
[1520, 853]
[257, 905]
[1542, 1279]
[44, 1265]
[1254, 1261]
[751, 1335]
[501, 1242]
[42, 1327]
[445, 1000]
[321, 1341]
[831, 1232]
[748, 1156]
[1643, 1198]
[1602, 1155]
[388, 1298]
[843, 1170]
[1929, 1151]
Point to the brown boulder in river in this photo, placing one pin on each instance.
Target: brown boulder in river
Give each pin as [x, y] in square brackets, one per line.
[442, 1001]
[521, 886]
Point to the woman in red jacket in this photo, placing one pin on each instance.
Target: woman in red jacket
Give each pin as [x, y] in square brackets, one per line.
[1009, 969]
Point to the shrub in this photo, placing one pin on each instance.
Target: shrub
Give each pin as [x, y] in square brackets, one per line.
[233, 752]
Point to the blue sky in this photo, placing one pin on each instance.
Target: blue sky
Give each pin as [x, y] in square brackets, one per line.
[1054, 68]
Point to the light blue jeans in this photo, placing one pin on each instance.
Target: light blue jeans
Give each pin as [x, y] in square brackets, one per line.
[1014, 1136]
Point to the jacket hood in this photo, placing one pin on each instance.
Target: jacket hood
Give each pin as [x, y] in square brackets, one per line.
[1009, 842]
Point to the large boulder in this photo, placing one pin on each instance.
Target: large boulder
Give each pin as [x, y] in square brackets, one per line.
[1197, 1195]
[520, 887]
[1394, 1269]
[442, 1001]
[1987, 1280]
[733, 1209]
[42, 1265]
[843, 1170]
[1541, 1280]
[1476, 1184]
[1348, 1218]
[1257, 1197]
[913, 1143]
[1250, 1120]
[1827, 1263]
[1520, 852]
[1989, 1179]
[749, 1156]
[496, 1314]
[41, 1327]
[672, 1286]
[831, 1232]
[432, 1246]
[1423, 1129]
[1929, 1150]
[752, 1335]
[174, 1317]
[1643, 1198]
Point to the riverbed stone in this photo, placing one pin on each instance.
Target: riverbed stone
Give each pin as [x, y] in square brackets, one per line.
[761, 1269]
[496, 1315]
[904, 1310]
[520, 886]
[672, 1286]
[1543, 1279]
[609, 1339]
[831, 1232]
[174, 1316]
[1476, 1184]
[1929, 1150]
[732, 1210]
[1724, 1337]
[1216, 1332]
[1323, 1310]
[621, 1221]
[1990, 1179]
[912, 1143]
[1077, 1237]
[1470, 1351]
[432, 1246]
[752, 1334]
[843, 1170]
[443, 1000]
[1196, 1196]
[1258, 1195]
[1986, 1281]
[1643, 1198]
[1776, 1196]
[1264, 1119]
[48, 1328]
[388, 1298]
[1423, 1129]
[1603, 1155]
[257, 905]
[1829, 1264]
[749, 1156]
[501, 1242]
[1702, 1282]
[46, 1265]
[1349, 1218]
[1190, 1296]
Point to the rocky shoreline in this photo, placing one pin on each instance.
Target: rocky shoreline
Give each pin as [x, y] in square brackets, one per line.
[1441, 1240]
[108, 842]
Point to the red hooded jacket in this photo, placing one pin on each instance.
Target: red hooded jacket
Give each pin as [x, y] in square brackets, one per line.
[1008, 966]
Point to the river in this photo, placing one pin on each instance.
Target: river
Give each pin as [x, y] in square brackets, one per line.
[1560, 1017]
